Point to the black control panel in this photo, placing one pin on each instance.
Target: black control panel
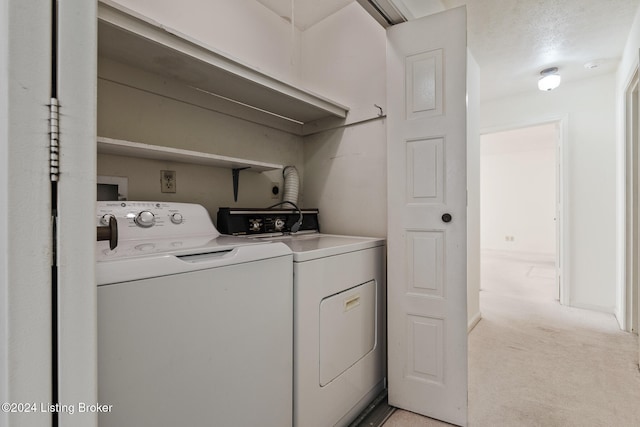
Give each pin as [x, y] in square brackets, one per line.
[239, 221]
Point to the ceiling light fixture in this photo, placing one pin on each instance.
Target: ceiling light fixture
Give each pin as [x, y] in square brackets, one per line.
[550, 79]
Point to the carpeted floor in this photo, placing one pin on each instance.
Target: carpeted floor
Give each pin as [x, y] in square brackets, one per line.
[533, 362]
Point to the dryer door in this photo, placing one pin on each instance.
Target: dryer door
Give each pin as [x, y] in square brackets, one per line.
[347, 329]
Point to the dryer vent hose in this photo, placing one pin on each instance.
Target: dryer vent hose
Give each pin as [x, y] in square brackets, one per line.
[291, 184]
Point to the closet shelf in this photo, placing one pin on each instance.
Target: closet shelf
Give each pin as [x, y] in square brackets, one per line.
[155, 152]
[127, 37]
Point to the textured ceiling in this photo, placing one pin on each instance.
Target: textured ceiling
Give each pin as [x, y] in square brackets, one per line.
[513, 40]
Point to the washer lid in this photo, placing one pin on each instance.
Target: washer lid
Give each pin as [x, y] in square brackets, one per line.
[219, 252]
[177, 246]
[313, 246]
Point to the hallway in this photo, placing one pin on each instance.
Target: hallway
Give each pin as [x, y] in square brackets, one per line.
[533, 362]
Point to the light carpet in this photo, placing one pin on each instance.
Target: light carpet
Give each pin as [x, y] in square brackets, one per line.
[533, 362]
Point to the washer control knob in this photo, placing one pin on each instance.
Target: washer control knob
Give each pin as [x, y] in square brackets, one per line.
[279, 224]
[176, 218]
[145, 219]
[105, 219]
[255, 225]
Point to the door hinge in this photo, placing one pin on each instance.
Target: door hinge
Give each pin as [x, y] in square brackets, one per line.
[54, 139]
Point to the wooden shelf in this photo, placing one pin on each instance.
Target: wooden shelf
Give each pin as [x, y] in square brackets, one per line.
[127, 37]
[155, 152]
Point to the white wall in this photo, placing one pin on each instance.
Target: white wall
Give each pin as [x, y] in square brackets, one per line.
[345, 177]
[628, 65]
[518, 190]
[245, 30]
[343, 58]
[587, 108]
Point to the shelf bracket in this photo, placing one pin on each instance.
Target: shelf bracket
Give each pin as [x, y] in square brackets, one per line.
[236, 176]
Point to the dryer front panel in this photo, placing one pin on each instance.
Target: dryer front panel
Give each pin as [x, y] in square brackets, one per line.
[347, 329]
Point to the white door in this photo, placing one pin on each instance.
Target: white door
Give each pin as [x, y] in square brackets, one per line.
[76, 82]
[426, 149]
[26, 243]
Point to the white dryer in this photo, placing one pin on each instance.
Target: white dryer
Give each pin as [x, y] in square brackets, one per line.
[194, 328]
[339, 313]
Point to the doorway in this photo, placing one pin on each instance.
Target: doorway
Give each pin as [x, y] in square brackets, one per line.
[519, 202]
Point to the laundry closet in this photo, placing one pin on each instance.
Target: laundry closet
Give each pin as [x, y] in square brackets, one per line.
[208, 120]
[179, 120]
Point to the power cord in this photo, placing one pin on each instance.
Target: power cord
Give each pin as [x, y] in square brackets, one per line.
[295, 227]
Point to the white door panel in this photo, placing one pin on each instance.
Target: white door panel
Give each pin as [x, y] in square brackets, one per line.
[423, 76]
[425, 174]
[76, 195]
[426, 89]
[26, 244]
[425, 251]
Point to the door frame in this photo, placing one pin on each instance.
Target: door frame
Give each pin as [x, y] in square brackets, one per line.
[631, 114]
[563, 254]
[26, 242]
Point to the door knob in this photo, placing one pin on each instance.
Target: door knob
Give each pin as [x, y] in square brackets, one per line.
[447, 217]
[110, 233]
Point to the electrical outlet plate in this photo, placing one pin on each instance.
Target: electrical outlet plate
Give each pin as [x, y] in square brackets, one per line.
[275, 191]
[168, 181]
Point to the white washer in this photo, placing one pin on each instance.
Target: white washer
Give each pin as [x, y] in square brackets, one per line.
[194, 328]
[339, 348]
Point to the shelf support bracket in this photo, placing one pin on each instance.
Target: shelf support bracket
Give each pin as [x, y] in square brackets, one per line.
[236, 177]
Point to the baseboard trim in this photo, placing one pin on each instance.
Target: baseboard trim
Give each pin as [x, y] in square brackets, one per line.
[474, 321]
[592, 307]
[522, 255]
[622, 324]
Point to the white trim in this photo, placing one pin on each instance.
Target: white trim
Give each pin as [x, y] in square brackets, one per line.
[474, 321]
[625, 310]
[565, 251]
[593, 307]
